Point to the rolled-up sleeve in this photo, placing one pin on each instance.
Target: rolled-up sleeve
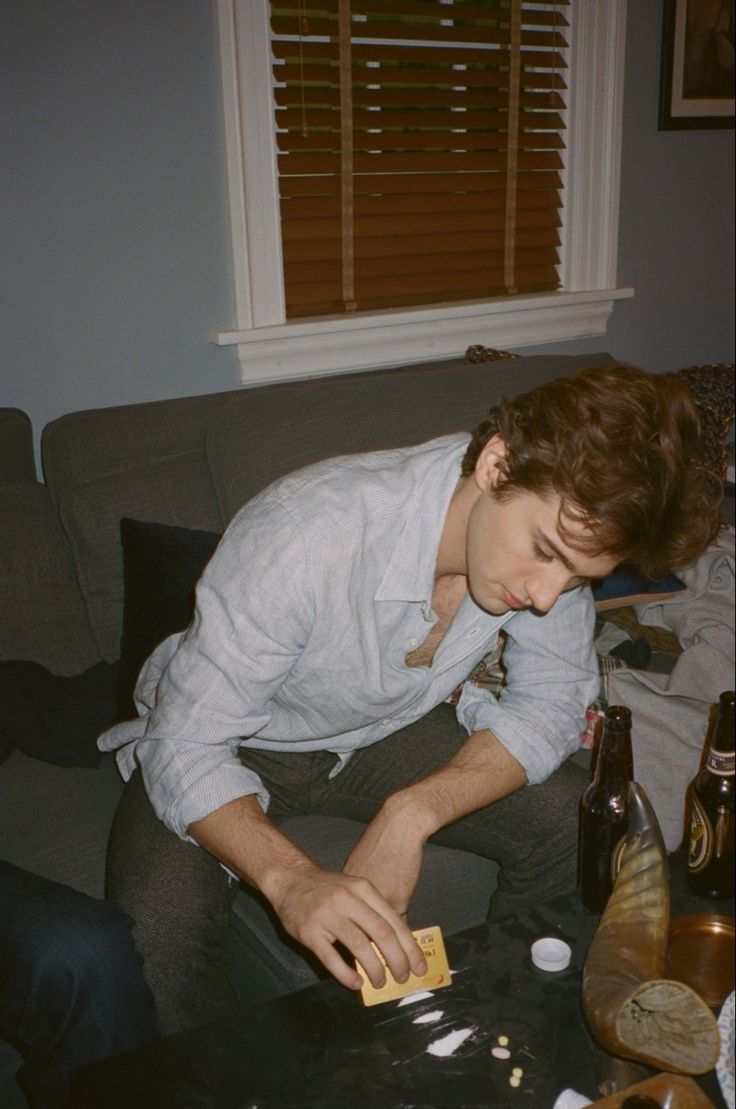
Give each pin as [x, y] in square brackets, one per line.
[207, 690]
[551, 679]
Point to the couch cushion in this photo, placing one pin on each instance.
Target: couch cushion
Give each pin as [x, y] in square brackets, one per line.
[43, 615]
[264, 433]
[147, 461]
[55, 820]
[177, 490]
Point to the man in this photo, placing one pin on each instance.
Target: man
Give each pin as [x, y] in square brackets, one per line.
[342, 608]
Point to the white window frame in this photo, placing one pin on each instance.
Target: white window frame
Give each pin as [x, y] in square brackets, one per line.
[271, 348]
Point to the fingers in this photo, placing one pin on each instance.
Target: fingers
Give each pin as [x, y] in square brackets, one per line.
[378, 923]
[349, 911]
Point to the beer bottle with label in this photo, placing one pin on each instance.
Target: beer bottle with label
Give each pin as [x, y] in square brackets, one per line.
[604, 811]
[710, 857]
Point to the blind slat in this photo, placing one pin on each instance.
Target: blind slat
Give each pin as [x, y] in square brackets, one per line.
[408, 253]
[468, 99]
[398, 184]
[537, 68]
[534, 208]
[290, 119]
[488, 34]
[314, 52]
[490, 277]
[388, 142]
[414, 163]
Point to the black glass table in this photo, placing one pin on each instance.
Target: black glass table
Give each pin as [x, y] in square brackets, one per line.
[321, 1047]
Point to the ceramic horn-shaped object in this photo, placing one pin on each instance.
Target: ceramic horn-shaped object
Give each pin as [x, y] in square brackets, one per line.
[633, 1011]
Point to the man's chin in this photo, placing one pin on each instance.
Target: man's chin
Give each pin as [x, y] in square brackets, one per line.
[494, 606]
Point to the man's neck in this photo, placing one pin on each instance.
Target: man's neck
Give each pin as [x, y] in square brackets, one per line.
[451, 554]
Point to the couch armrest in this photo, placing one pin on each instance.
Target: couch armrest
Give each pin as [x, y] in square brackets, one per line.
[16, 447]
[43, 614]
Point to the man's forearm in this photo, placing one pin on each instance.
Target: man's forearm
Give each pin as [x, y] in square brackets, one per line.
[242, 837]
[317, 907]
[481, 772]
[390, 851]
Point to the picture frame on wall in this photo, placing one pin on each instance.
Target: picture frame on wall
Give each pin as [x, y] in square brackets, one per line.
[697, 65]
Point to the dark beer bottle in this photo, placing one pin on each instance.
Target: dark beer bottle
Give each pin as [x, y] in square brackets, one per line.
[710, 857]
[604, 811]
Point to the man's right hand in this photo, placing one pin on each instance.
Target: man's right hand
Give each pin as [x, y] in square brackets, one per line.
[319, 908]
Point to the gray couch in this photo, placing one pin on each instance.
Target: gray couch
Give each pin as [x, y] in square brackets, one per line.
[192, 462]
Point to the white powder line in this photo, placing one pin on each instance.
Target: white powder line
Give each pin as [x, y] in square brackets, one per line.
[418, 995]
[450, 1043]
[428, 1018]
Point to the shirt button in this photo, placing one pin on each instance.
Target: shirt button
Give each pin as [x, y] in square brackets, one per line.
[411, 642]
[473, 632]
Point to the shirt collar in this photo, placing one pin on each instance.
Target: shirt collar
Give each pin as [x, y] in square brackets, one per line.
[411, 566]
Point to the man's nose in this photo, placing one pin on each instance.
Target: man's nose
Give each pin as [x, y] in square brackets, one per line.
[544, 590]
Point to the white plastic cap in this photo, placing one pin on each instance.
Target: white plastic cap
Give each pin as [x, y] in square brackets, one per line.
[571, 1099]
[551, 954]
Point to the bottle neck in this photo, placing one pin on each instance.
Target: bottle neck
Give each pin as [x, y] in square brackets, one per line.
[720, 757]
[615, 759]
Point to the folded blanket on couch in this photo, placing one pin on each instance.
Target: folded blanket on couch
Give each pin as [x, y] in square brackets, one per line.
[670, 711]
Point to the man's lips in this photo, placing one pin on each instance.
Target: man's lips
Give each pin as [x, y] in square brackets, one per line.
[510, 600]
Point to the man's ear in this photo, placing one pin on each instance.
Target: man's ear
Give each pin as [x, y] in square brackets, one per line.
[488, 471]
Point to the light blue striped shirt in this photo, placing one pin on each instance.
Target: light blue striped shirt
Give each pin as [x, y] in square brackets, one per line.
[319, 588]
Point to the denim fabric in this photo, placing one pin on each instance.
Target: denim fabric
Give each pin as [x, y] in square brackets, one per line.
[71, 986]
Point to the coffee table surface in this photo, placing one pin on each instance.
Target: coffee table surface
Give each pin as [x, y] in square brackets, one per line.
[321, 1047]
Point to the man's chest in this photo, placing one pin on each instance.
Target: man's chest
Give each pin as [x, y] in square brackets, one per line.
[447, 596]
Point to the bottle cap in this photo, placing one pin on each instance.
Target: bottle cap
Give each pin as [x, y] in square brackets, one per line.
[551, 954]
[571, 1099]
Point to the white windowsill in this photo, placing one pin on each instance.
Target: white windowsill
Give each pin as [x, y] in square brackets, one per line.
[372, 340]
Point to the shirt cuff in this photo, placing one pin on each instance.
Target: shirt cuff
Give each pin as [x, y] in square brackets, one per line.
[533, 741]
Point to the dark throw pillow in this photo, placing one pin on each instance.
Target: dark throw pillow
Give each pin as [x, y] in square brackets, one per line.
[162, 564]
[622, 588]
[53, 718]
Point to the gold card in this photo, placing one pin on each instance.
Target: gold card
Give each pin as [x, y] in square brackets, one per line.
[438, 971]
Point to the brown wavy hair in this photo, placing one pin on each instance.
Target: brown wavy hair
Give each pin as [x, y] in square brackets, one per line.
[621, 449]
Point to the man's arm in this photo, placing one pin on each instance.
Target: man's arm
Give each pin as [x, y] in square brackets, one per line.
[389, 852]
[551, 678]
[319, 908]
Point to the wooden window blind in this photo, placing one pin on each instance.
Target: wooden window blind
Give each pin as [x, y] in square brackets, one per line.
[420, 148]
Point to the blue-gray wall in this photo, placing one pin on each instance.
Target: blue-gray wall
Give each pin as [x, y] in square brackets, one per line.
[114, 255]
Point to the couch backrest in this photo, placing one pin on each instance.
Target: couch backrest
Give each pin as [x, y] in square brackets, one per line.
[143, 460]
[264, 433]
[194, 461]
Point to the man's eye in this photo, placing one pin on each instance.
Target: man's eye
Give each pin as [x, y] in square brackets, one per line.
[545, 557]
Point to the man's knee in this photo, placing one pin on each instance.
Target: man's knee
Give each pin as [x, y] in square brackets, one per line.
[78, 948]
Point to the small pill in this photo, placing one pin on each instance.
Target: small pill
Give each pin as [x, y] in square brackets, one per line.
[504, 1041]
[500, 1053]
[514, 1081]
[517, 1072]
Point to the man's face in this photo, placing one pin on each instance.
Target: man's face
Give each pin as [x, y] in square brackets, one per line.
[516, 557]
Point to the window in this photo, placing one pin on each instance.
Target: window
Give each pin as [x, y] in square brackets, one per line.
[403, 240]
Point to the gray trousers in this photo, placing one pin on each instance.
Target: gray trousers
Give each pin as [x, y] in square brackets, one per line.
[179, 896]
